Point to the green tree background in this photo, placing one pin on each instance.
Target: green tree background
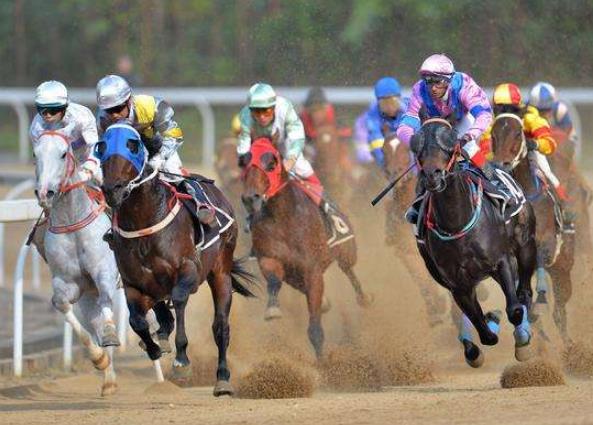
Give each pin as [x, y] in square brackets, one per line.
[294, 42]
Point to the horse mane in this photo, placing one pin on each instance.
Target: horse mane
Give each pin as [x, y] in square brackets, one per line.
[433, 133]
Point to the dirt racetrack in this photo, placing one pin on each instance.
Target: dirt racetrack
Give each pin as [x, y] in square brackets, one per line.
[452, 392]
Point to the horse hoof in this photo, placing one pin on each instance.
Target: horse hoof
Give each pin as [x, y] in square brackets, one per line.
[326, 305]
[365, 300]
[273, 313]
[476, 362]
[108, 389]
[223, 388]
[165, 345]
[181, 372]
[472, 353]
[102, 362]
[523, 352]
[109, 337]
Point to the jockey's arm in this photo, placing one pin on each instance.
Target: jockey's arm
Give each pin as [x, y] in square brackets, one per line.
[171, 136]
[476, 102]
[295, 134]
[538, 129]
[410, 122]
[88, 129]
[244, 138]
[375, 138]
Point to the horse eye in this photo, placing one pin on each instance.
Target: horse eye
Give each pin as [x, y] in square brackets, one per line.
[133, 145]
[64, 155]
[100, 148]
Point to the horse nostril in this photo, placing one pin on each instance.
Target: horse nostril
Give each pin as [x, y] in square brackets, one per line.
[50, 193]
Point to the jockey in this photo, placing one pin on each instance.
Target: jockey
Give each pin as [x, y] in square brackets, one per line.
[543, 97]
[316, 111]
[152, 117]
[507, 99]
[56, 112]
[269, 115]
[360, 137]
[384, 116]
[444, 93]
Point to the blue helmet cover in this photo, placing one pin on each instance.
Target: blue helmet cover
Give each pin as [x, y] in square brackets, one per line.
[387, 86]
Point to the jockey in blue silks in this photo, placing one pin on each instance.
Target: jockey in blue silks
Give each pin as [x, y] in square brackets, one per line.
[384, 115]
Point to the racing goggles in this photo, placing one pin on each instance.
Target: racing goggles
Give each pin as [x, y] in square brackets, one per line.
[262, 112]
[116, 109]
[50, 110]
[433, 79]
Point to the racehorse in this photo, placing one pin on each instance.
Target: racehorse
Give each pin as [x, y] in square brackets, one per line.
[464, 237]
[289, 237]
[555, 250]
[397, 160]
[82, 266]
[155, 238]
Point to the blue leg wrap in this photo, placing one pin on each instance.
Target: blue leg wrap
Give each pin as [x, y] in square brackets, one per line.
[542, 280]
[465, 329]
[493, 326]
[522, 332]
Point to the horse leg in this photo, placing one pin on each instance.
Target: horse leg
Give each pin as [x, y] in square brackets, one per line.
[221, 288]
[314, 282]
[273, 272]
[138, 307]
[106, 283]
[516, 312]
[562, 286]
[471, 352]
[166, 325]
[541, 301]
[180, 295]
[468, 303]
[64, 295]
[346, 257]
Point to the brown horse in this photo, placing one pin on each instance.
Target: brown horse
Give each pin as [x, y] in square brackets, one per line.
[289, 237]
[397, 160]
[578, 191]
[555, 250]
[155, 240]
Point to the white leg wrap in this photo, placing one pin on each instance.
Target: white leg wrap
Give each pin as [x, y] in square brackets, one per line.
[158, 370]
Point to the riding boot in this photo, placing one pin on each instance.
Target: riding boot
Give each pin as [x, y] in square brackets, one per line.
[565, 214]
[206, 213]
[412, 212]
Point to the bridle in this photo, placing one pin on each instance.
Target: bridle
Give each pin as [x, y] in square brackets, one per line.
[523, 149]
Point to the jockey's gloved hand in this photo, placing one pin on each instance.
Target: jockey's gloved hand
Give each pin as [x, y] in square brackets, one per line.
[532, 145]
[465, 139]
[244, 160]
[156, 161]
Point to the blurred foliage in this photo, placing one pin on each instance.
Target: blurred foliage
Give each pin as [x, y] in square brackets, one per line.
[294, 42]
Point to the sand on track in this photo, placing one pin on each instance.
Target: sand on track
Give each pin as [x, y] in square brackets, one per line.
[396, 323]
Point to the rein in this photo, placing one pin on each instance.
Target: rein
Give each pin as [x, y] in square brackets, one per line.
[96, 196]
[476, 195]
[174, 208]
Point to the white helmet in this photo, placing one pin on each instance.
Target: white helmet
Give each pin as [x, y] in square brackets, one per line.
[437, 64]
[51, 94]
[112, 90]
[542, 96]
[261, 95]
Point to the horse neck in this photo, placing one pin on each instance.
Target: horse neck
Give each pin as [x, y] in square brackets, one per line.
[284, 202]
[522, 173]
[145, 206]
[453, 207]
[71, 207]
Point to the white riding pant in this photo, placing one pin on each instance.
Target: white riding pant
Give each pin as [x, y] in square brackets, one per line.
[302, 167]
[172, 165]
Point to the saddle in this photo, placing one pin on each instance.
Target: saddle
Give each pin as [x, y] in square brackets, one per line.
[205, 235]
[502, 191]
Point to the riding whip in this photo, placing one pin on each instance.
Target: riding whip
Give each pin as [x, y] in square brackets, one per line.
[32, 232]
[191, 176]
[391, 186]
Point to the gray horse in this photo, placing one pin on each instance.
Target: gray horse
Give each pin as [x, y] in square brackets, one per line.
[82, 266]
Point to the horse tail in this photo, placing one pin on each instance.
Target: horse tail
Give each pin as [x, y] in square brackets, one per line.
[241, 278]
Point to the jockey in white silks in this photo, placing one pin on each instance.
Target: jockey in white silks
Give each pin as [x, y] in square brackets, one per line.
[152, 117]
[269, 115]
[55, 112]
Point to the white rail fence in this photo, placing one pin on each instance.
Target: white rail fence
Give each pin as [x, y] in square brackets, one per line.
[204, 99]
[27, 210]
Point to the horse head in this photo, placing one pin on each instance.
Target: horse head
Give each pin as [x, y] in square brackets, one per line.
[508, 140]
[123, 159]
[263, 176]
[54, 165]
[436, 148]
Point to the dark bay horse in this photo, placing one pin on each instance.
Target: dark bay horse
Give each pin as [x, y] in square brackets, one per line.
[464, 238]
[289, 236]
[155, 248]
[398, 158]
[555, 250]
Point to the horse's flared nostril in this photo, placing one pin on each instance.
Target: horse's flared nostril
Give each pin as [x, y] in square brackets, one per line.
[50, 194]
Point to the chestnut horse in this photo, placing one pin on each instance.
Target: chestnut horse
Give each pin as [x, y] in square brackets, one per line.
[555, 250]
[155, 238]
[289, 237]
